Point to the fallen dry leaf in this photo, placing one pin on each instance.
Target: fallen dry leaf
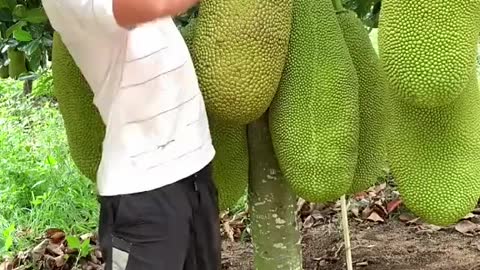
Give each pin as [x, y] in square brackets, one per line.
[6, 266]
[375, 217]
[355, 211]
[366, 212]
[467, 227]
[469, 216]
[39, 250]
[393, 205]
[229, 231]
[309, 221]
[360, 196]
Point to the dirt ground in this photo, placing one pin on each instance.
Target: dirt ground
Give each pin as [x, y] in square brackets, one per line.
[393, 245]
[384, 236]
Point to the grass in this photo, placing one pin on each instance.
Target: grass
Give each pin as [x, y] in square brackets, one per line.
[40, 187]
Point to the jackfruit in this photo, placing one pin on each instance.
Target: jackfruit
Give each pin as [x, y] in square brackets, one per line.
[314, 116]
[4, 72]
[239, 52]
[372, 94]
[83, 124]
[434, 155]
[17, 64]
[429, 48]
[231, 162]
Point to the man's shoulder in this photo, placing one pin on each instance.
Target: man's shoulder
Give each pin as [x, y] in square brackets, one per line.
[85, 17]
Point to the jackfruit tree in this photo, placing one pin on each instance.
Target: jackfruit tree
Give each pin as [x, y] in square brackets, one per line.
[300, 105]
[25, 44]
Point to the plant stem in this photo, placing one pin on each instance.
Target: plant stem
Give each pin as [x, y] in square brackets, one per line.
[338, 5]
[346, 234]
[275, 235]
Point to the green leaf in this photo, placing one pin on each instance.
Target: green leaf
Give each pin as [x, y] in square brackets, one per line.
[10, 4]
[19, 11]
[28, 76]
[51, 160]
[85, 248]
[35, 15]
[5, 15]
[14, 27]
[73, 242]
[34, 60]
[22, 35]
[3, 4]
[32, 47]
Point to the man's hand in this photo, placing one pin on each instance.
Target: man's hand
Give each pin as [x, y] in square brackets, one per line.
[129, 13]
[175, 7]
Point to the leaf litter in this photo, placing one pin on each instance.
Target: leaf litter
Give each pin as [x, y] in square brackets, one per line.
[384, 235]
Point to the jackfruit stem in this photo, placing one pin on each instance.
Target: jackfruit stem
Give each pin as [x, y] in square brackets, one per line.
[338, 5]
[346, 234]
[276, 238]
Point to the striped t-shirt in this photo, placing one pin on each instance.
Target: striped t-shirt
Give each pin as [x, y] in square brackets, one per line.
[146, 91]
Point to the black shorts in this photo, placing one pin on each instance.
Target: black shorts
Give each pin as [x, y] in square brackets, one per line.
[175, 227]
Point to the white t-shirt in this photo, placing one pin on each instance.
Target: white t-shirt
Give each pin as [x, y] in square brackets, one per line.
[146, 91]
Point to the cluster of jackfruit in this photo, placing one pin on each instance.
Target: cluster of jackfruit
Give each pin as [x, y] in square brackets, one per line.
[286, 58]
[337, 111]
[428, 50]
[313, 71]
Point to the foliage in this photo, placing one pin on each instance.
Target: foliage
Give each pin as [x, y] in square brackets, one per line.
[43, 86]
[24, 27]
[40, 187]
[367, 10]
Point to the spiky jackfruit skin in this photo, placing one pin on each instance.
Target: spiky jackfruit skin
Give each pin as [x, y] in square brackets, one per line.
[17, 64]
[83, 124]
[434, 155]
[239, 52]
[314, 117]
[429, 48]
[231, 162]
[371, 94]
[230, 165]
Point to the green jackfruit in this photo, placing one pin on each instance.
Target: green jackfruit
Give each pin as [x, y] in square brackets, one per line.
[434, 155]
[429, 48]
[314, 117]
[231, 163]
[17, 64]
[83, 125]
[239, 52]
[4, 72]
[372, 94]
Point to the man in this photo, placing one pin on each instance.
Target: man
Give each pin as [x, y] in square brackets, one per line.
[158, 202]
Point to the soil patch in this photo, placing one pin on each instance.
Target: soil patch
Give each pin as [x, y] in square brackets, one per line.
[390, 246]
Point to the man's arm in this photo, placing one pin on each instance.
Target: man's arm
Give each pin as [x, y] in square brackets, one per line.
[129, 13]
[105, 17]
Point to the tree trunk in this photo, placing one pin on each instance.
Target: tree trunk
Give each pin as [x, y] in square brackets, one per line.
[272, 205]
[27, 87]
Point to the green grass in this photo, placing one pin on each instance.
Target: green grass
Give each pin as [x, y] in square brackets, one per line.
[40, 187]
